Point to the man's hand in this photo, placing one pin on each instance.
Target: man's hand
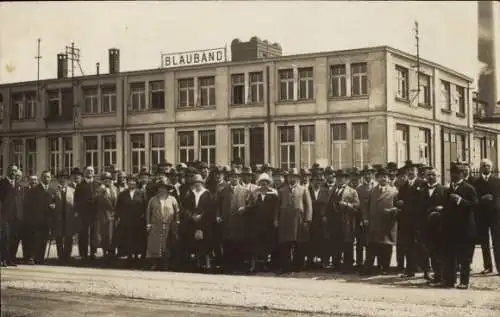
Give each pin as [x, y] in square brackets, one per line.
[438, 208]
[219, 219]
[365, 223]
[196, 218]
[325, 220]
[148, 227]
[52, 206]
[276, 223]
[454, 197]
[487, 197]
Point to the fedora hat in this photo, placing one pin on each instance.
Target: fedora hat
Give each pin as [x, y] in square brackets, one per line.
[264, 177]
[293, 172]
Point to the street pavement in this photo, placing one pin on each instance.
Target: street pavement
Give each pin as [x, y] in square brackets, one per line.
[313, 293]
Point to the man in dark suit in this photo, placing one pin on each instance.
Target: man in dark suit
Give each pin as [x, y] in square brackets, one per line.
[40, 212]
[434, 200]
[17, 228]
[8, 214]
[85, 206]
[458, 228]
[410, 198]
[487, 214]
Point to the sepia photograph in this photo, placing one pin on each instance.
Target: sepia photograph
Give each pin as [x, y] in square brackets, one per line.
[250, 158]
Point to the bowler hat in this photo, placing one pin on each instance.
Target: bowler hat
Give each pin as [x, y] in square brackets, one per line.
[246, 170]
[341, 173]
[293, 172]
[76, 171]
[382, 171]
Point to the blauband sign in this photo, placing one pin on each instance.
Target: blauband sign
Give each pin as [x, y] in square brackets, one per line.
[216, 55]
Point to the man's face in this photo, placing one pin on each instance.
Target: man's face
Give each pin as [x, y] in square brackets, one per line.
[46, 177]
[89, 172]
[144, 179]
[247, 178]
[234, 180]
[383, 179]
[367, 178]
[132, 184]
[12, 172]
[330, 178]
[163, 179]
[19, 175]
[456, 176]
[278, 180]
[402, 178]
[292, 179]
[485, 168]
[108, 181]
[343, 180]
[174, 179]
[431, 176]
[33, 181]
[412, 173]
[204, 172]
[316, 181]
[120, 179]
[77, 179]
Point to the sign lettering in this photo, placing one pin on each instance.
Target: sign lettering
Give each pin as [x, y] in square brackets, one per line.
[217, 55]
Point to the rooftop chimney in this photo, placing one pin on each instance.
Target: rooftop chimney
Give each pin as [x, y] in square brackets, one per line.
[62, 66]
[97, 68]
[114, 60]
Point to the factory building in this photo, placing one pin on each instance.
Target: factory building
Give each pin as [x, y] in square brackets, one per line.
[344, 108]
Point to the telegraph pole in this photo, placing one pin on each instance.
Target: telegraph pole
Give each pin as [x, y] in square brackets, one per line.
[417, 66]
[38, 58]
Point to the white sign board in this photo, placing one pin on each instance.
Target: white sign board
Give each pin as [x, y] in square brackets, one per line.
[216, 55]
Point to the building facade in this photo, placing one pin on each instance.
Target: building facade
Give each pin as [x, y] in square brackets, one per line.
[345, 108]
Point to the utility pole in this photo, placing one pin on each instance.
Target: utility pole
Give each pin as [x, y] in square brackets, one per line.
[38, 58]
[417, 66]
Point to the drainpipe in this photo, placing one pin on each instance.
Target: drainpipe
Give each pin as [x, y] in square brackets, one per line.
[124, 109]
[268, 115]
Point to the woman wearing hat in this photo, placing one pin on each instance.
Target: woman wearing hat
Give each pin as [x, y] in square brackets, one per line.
[162, 216]
[200, 218]
[263, 204]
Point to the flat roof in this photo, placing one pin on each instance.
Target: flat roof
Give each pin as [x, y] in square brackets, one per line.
[258, 61]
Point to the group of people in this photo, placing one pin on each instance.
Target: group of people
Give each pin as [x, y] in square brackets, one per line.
[239, 220]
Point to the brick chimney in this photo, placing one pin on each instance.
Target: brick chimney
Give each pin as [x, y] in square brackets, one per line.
[62, 66]
[114, 60]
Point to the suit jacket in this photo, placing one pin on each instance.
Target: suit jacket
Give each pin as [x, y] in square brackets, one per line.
[382, 224]
[364, 195]
[492, 186]
[229, 202]
[9, 200]
[65, 221]
[342, 218]
[295, 210]
[458, 219]
[319, 205]
[37, 210]
[85, 199]
[411, 210]
[431, 223]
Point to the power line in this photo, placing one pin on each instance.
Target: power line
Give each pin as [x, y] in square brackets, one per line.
[73, 54]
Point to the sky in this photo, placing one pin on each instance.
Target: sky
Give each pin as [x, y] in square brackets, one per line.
[144, 30]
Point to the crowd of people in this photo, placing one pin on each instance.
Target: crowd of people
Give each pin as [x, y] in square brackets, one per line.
[238, 220]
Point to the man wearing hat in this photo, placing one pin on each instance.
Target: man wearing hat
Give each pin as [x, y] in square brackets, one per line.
[65, 220]
[121, 181]
[392, 170]
[340, 219]
[305, 177]
[364, 189]
[458, 228]
[410, 198]
[86, 209]
[246, 179]
[330, 178]
[278, 178]
[381, 221]
[320, 196]
[293, 221]
[355, 175]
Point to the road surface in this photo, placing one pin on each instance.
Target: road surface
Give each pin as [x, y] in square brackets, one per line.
[302, 293]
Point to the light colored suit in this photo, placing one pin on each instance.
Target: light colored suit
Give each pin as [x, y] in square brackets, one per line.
[295, 210]
[106, 207]
[382, 225]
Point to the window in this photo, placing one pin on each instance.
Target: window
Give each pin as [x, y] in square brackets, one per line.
[402, 145]
[453, 149]
[91, 150]
[306, 83]
[257, 146]
[461, 99]
[287, 147]
[359, 79]
[186, 146]
[138, 97]
[108, 99]
[424, 146]
[67, 143]
[238, 145]
[238, 89]
[307, 146]
[402, 88]
[54, 103]
[108, 151]
[31, 156]
[207, 146]
[424, 97]
[18, 153]
[30, 110]
[54, 155]
[338, 86]
[186, 92]
[360, 144]
[157, 142]
[286, 84]
[157, 94]
[17, 106]
[445, 95]
[207, 91]
[138, 146]
[460, 139]
[90, 98]
[256, 87]
[339, 146]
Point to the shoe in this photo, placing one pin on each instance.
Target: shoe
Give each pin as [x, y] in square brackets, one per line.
[406, 275]
[486, 271]
[462, 286]
[12, 264]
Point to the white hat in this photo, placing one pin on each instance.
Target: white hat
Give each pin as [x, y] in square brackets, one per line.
[264, 177]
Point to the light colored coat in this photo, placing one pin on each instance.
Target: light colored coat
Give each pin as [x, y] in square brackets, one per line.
[162, 219]
[348, 213]
[230, 202]
[295, 210]
[382, 225]
[66, 206]
[106, 207]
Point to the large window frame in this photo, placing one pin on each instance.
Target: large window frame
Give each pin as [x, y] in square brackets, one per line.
[360, 144]
[138, 152]
[359, 79]
[207, 146]
[339, 148]
[306, 83]
[287, 156]
[206, 91]
[186, 146]
[287, 82]
[338, 81]
[157, 148]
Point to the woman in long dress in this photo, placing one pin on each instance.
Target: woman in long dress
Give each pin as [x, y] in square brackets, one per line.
[161, 218]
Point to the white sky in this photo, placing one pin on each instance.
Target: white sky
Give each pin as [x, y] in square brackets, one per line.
[143, 30]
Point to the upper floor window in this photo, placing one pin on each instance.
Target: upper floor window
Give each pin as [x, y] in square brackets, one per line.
[138, 96]
[338, 86]
[207, 91]
[90, 98]
[157, 94]
[17, 109]
[424, 97]
[256, 80]
[402, 87]
[359, 79]
[23, 106]
[306, 83]
[286, 84]
[186, 92]
[108, 99]
[238, 89]
[31, 102]
[445, 95]
[460, 99]
[54, 103]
